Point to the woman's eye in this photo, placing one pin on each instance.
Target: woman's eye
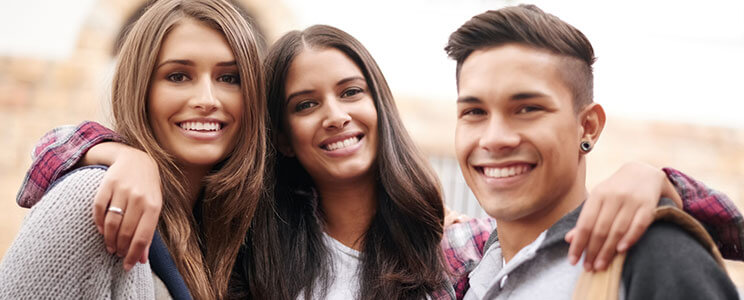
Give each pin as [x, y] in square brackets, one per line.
[177, 77]
[528, 109]
[229, 78]
[351, 92]
[304, 105]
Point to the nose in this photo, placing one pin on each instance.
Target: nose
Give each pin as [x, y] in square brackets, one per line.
[336, 117]
[499, 136]
[204, 98]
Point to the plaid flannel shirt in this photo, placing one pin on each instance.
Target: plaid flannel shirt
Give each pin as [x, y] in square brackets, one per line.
[60, 150]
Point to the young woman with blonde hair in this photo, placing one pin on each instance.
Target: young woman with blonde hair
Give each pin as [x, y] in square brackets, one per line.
[188, 91]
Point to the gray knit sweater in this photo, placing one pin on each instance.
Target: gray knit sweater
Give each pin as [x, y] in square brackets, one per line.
[59, 254]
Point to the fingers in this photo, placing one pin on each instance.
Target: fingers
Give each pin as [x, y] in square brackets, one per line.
[600, 232]
[127, 228]
[111, 223]
[618, 229]
[101, 203]
[141, 238]
[145, 253]
[641, 221]
[569, 235]
[580, 234]
[453, 217]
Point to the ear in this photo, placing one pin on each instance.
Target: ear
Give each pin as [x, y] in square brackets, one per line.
[285, 146]
[592, 119]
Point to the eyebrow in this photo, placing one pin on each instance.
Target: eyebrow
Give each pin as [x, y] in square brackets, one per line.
[340, 82]
[468, 99]
[187, 62]
[526, 95]
[516, 97]
[347, 79]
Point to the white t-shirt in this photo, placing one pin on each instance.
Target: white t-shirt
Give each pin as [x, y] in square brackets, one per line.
[344, 273]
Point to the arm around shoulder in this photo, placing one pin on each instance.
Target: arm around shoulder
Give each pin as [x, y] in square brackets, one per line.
[59, 253]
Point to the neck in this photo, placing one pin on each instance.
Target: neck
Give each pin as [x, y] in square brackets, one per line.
[348, 207]
[516, 234]
[193, 182]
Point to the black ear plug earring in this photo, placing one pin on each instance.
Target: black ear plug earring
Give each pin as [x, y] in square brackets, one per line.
[586, 146]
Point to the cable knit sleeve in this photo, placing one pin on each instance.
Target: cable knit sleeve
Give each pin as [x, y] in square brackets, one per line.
[59, 254]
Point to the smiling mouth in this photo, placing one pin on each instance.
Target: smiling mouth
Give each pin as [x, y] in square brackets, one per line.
[201, 126]
[507, 171]
[347, 142]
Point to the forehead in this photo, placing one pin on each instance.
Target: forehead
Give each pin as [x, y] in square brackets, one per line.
[313, 67]
[510, 69]
[191, 38]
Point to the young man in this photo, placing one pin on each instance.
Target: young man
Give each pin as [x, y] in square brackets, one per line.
[526, 120]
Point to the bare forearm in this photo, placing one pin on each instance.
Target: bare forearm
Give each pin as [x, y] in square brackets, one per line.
[104, 154]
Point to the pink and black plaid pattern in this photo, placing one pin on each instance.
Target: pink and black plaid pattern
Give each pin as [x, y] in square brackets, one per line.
[56, 153]
[714, 210]
[463, 249]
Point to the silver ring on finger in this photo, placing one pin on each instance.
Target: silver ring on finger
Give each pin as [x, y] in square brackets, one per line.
[116, 210]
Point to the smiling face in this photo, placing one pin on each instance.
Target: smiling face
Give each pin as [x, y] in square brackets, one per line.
[331, 120]
[195, 102]
[517, 137]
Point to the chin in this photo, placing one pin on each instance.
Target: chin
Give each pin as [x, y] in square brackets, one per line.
[204, 159]
[501, 207]
[351, 171]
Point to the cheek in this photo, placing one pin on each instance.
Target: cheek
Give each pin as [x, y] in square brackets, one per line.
[234, 105]
[301, 131]
[158, 107]
[368, 113]
[364, 112]
[560, 147]
[465, 140]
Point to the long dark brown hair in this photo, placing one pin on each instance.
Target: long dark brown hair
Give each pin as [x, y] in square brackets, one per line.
[401, 256]
[204, 253]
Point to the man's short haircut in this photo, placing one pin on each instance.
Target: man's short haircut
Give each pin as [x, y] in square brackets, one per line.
[528, 25]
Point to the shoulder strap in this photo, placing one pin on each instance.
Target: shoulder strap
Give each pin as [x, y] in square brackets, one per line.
[606, 284]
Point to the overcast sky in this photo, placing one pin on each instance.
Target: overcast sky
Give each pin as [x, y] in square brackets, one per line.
[666, 60]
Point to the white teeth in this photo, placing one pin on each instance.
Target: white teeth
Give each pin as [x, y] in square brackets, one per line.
[505, 172]
[201, 126]
[342, 144]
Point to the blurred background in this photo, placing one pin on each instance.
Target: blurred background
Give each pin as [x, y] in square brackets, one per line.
[668, 75]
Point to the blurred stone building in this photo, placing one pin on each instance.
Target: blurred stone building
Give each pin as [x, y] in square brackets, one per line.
[37, 94]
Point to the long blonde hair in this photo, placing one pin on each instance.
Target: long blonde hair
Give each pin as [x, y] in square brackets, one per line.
[232, 190]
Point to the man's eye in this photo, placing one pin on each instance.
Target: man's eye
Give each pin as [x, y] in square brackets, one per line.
[304, 105]
[473, 111]
[351, 92]
[229, 78]
[177, 77]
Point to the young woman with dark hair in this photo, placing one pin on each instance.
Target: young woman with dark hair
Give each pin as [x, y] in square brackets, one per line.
[350, 181]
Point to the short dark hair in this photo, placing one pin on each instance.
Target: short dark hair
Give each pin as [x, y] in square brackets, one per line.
[530, 26]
